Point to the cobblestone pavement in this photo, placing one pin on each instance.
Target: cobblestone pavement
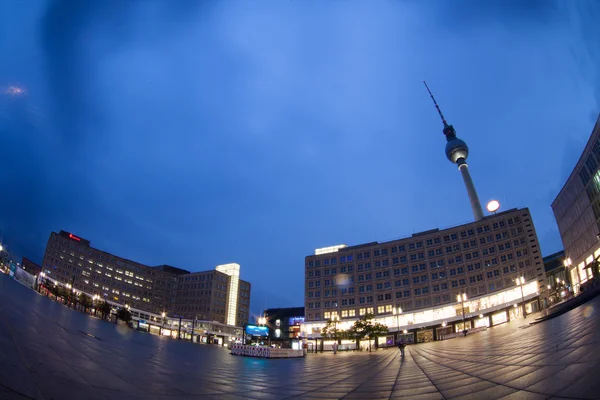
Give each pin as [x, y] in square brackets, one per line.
[48, 351]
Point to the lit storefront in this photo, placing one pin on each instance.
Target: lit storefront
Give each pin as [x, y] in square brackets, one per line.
[499, 318]
[481, 322]
[419, 321]
[425, 336]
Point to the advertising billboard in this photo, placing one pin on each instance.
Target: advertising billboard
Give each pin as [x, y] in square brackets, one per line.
[254, 330]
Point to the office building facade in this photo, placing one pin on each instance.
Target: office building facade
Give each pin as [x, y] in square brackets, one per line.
[577, 213]
[148, 291]
[217, 295]
[414, 282]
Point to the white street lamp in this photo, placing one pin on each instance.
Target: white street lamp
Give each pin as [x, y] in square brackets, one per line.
[520, 282]
[397, 311]
[462, 298]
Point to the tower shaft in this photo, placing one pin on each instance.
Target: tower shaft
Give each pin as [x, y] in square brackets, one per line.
[473, 198]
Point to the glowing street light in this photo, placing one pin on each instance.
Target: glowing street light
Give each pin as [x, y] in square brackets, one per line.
[462, 298]
[520, 282]
[335, 318]
[397, 311]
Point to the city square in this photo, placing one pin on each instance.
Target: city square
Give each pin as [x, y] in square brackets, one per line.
[270, 200]
[52, 352]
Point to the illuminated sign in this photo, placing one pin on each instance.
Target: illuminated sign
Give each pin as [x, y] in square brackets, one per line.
[71, 236]
[257, 330]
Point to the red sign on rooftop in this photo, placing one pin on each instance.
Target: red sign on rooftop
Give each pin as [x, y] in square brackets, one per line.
[71, 236]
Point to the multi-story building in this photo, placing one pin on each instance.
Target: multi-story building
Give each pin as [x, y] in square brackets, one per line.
[147, 291]
[30, 266]
[414, 282]
[217, 295]
[557, 276]
[577, 213]
[284, 324]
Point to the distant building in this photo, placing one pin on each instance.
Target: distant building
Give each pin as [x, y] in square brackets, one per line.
[284, 323]
[148, 291]
[554, 264]
[217, 295]
[557, 276]
[30, 266]
[413, 283]
[577, 213]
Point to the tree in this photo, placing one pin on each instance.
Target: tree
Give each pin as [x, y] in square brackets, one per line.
[85, 302]
[364, 327]
[331, 331]
[60, 292]
[104, 309]
[124, 315]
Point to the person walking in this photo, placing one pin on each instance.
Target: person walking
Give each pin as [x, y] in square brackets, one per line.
[401, 346]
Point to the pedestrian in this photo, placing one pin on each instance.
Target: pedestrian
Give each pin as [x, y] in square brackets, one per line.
[401, 346]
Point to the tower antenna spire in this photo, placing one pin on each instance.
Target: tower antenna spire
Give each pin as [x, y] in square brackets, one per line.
[436, 105]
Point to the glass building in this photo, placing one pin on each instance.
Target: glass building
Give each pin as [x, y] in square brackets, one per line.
[577, 213]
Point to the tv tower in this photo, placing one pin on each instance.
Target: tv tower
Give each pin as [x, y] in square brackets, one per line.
[457, 152]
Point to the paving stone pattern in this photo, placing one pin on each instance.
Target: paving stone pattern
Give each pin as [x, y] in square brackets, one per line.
[48, 351]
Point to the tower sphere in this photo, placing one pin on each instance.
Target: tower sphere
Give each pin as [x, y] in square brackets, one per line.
[456, 149]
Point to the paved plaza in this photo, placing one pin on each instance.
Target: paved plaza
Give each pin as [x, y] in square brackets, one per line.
[48, 351]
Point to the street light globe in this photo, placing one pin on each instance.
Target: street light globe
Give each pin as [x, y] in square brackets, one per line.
[493, 206]
[1, 248]
[405, 331]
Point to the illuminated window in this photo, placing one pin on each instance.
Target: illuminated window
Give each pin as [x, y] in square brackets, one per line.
[351, 313]
[327, 315]
[362, 311]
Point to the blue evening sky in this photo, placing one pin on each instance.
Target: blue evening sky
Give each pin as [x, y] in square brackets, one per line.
[196, 133]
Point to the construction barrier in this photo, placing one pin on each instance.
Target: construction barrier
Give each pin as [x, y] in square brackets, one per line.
[264, 352]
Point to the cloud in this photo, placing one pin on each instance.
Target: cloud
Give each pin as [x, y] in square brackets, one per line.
[585, 47]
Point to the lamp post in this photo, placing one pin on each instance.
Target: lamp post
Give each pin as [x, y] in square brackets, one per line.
[335, 318]
[397, 311]
[179, 329]
[72, 290]
[193, 323]
[262, 321]
[163, 323]
[520, 282]
[462, 298]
